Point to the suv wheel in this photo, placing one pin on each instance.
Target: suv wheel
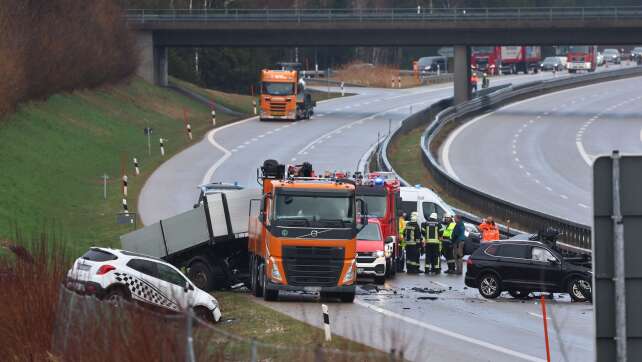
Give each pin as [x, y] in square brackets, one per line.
[490, 286]
[579, 289]
[519, 293]
[116, 297]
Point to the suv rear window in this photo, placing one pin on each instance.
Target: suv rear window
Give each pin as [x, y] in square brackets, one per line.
[514, 251]
[491, 250]
[98, 255]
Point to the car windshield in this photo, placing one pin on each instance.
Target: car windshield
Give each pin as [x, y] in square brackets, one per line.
[551, 60]
[376, 205]
[314, 210]
[611, 51]
[278, 89]
[370, 232]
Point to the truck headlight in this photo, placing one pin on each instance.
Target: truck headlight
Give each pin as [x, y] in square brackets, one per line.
[350, 274]
[276, 275]
[379, 253]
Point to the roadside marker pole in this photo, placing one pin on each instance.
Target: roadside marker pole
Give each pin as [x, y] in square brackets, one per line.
[548, 349]
[254, 105]
[188, 127]
[342, 90]
[189, 131]
[136, 168]
[162, 146]
[125, 208]
[398, 81]
[392, 82]
[213, 116]
[326, 323]
[105, 177]
[125, 185]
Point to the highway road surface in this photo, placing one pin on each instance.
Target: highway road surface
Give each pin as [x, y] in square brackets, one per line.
[538, 153]
[457, 325]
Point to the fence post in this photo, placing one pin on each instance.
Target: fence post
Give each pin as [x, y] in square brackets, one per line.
[254, 352]
[189, 347]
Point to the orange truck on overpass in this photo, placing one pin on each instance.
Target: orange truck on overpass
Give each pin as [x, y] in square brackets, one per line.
[283, 96]
[302, 234]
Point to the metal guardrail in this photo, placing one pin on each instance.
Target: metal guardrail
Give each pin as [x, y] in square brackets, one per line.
[388, 14]
[576, 236]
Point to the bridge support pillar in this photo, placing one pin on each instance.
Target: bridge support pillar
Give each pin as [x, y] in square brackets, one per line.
[153, 59]
[462, 74]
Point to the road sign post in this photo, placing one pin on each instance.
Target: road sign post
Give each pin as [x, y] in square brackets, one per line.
[617, 273]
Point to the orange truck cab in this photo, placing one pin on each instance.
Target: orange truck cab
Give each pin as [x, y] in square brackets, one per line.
[302, 234]
[283, 96]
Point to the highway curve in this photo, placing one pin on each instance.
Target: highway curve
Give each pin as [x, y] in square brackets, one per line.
[538, 153]
[452, 324]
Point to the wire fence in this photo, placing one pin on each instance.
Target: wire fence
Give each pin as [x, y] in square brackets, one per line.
[88, 329]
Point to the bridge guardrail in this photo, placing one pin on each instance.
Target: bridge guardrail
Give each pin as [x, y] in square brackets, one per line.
[389, 14]
[575, 236]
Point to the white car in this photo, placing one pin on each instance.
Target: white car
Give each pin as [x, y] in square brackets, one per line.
[116, 275]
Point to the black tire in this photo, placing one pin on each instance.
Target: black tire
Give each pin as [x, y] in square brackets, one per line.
[257, 288]
[201, 275]
[204, 314]
[268, 294]
[490, 286]
[380, 280]
[117, 296]
[579, 289]
[519, 293]
[400, 263]
[347, 297]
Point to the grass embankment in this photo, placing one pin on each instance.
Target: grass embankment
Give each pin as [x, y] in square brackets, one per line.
[242, 316]
[53, 154]
[368, 75]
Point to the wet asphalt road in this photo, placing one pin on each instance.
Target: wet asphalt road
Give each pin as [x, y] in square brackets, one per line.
[539, 153]
[458, 325]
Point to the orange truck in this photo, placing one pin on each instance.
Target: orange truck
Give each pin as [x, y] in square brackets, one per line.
[302, 233]
[283, 95]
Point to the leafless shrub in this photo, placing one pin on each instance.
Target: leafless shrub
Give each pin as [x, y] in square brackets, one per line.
[61, 45]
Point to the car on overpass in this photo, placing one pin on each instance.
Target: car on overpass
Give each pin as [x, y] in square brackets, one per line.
[524, 266]
[118, 275]
[553, 63]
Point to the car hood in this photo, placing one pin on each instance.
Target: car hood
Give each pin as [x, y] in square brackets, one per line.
[369, 246]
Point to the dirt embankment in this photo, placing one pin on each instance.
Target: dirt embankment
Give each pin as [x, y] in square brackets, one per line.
[60, 45]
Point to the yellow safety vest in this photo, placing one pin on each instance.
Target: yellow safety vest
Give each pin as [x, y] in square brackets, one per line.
[402, 226]
[449, 230]
[432, 232]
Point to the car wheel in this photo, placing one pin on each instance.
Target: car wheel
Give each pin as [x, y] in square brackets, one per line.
[579, 289]
[116, 297]
[201, 275]
[203, 313]
[380, 280]
[490, 286]
[519, 293]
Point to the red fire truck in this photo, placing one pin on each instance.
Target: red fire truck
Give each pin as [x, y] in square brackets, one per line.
[582, 57]
[380, 191]
[507, 59]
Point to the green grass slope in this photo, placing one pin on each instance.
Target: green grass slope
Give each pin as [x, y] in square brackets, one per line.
[53, 153]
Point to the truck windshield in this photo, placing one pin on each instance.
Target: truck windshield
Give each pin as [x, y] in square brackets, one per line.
[483, 50]
[278, 89]
[376, 205]
[314, 210]
[370, 232]
[578, 49]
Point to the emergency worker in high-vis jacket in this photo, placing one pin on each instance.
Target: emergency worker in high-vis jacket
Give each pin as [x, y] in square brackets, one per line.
[433, 245]
[447, 244]
[412, 238]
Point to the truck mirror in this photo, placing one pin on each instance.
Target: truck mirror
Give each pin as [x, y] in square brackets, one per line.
[187, 287]
[362, 214]
[390, 240]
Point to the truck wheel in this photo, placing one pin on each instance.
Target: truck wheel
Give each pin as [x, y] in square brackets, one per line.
[347, 297]
[268, 295]
[201, 275]
[400, 264]
[257, 288]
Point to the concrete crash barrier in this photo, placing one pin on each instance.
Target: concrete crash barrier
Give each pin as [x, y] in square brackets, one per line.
[575, 237]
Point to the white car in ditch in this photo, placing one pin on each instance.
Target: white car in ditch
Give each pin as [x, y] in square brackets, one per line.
[117, 275]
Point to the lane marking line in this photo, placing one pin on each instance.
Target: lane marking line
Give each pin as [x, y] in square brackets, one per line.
[539, 316]
[226, 154]
[583, 153]
[582, 205]
[449, 333]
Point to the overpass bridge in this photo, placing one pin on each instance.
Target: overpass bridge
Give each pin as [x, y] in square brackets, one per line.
[159, 29]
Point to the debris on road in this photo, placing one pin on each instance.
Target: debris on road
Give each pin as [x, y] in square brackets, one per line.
[428, 290]
[427, 298]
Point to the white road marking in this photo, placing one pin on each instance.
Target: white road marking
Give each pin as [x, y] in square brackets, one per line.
[254, 139]
[449, 333]
[583, 153]
[582, 205]
[226, 154]
[440, 284]
[549, 188]
[564, 197]
[539, 316]
[261, 135]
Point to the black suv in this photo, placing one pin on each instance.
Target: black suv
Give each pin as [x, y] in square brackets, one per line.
[522, 267]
